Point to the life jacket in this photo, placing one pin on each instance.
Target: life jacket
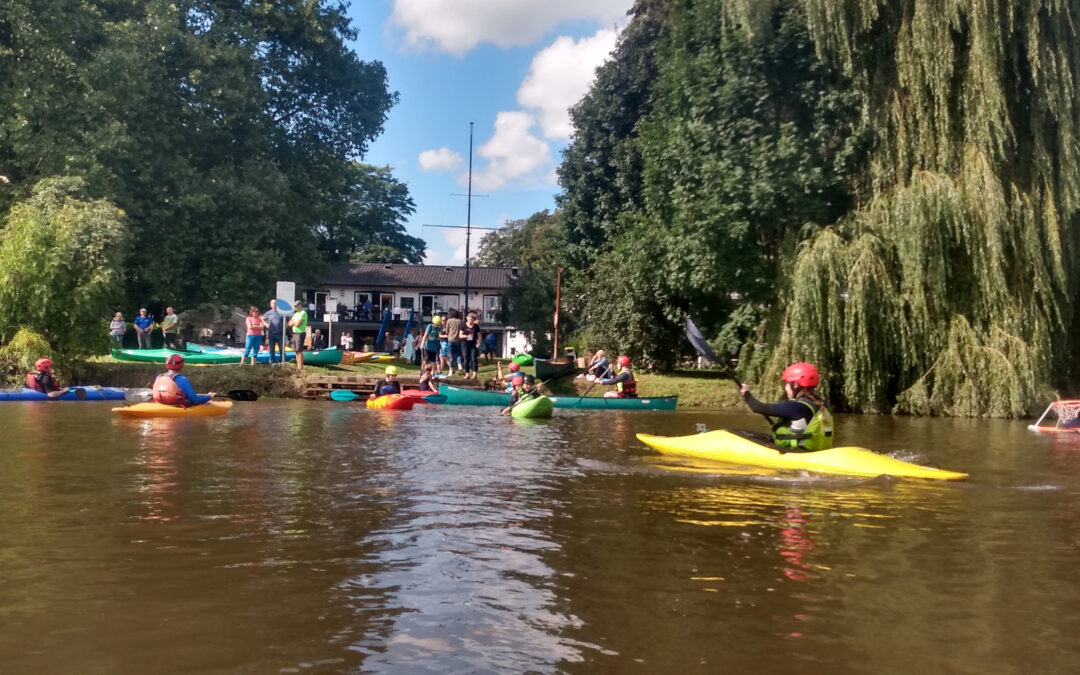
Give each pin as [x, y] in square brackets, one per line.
[166, 391]
[817, 435]
[425, 384]
[431, 333]
[627, 389]
[384, 387]
[33, 381]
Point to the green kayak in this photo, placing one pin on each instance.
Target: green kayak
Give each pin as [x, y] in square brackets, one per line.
[533, 409]
[159, 356]
[463, 396]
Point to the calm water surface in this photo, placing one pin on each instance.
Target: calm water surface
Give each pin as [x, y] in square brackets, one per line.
[323, 537]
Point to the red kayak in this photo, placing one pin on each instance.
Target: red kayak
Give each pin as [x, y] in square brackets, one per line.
[416, 393]
[392, 402]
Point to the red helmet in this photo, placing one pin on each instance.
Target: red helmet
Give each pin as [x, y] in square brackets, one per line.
[517, 381]
[44, 364]
[802, 374]
[623, 361]
[174, 362]
[514, 366]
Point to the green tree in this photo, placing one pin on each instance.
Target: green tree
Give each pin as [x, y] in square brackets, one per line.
[373, 228]
[951, 286]
[535, 245]
[225, 130]
[60, 266]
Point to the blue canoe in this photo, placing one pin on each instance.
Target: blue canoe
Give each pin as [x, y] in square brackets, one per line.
[92, 394]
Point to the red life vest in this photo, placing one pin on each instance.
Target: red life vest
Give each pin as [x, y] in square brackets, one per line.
[166, 391]
[627, 389]
[32, 383]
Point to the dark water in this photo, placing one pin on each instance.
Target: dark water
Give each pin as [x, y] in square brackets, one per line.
[323, 537]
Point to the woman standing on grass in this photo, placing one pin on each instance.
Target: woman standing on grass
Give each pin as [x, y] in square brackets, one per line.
[254, 326]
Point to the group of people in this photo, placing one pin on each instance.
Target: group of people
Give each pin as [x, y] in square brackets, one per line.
[454, 343]
[271, 324]
[144, 324]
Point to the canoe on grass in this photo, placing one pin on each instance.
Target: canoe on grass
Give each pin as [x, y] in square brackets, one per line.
[92, 394]
[462, 396]
[318, 357]
[191, 358]
[733, 448]
[554, 369]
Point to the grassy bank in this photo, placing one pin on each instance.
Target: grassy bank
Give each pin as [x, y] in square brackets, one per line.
[695, 389]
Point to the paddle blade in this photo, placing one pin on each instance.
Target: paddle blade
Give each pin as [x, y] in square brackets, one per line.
[434, 398]
[699, 342]
[138, 395]
[344, 395]
[80, 393]
[242, 395]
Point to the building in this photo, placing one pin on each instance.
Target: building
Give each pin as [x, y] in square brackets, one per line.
[366, 299]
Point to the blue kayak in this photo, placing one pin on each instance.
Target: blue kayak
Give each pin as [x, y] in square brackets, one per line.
[92, 394]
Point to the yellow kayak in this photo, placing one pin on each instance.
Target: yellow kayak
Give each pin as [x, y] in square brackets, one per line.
[211, 409]
[725, 446]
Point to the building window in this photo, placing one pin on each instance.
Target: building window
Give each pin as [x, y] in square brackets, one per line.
[492, 306]
[407, 302]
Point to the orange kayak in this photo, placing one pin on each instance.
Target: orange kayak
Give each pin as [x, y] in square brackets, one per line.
[392, 402]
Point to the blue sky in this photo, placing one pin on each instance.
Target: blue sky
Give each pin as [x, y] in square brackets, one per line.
[511, 67]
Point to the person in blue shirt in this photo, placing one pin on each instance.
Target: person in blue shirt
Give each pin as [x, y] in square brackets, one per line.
[172, 388]
[275, 327]
[143, 323]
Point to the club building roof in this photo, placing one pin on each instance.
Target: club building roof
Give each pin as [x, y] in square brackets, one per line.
[379, 275]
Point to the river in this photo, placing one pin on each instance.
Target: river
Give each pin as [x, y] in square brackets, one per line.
[312, 537]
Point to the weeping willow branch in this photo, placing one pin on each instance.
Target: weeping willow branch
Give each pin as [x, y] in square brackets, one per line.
[950, 288]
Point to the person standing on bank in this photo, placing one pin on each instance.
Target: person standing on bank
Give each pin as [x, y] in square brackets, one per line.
[143, 324]
[170, 329]
[453, 338]
[803, 423]
[117, 328]
[253, 330]
[275, 326]
[298, 323]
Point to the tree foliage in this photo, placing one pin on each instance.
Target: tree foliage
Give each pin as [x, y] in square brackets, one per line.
[60, 266]
[227, 131]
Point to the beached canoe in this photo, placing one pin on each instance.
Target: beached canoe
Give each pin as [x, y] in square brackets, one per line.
[191, 358]
[730, 447]
[554, 369]
[463, 396]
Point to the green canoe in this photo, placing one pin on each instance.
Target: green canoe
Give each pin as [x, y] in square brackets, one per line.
[536, 408]
[462, 396]
[159, 356]
[523, 359]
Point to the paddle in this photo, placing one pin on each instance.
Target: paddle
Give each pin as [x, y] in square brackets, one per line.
[346, 395]
[531, 398]
[702, 346]
[588, 390]
[145, 395]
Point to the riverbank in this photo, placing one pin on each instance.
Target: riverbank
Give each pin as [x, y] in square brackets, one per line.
[695, 389]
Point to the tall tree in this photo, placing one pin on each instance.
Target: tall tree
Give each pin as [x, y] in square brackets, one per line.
[952, 286]
[60, 266]
[225, 130]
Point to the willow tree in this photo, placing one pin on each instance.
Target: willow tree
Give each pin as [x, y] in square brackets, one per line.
[950, 287]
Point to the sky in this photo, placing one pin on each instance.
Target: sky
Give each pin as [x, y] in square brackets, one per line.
[510, 67]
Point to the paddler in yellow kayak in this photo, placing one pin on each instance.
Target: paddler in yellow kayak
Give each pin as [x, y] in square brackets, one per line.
[803, 424]
[172, 388]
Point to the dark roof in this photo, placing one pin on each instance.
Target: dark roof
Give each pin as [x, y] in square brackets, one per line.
[379, 275]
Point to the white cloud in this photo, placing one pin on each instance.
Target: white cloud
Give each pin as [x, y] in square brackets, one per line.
[513, 152]
[456, 26]
[560, 75]
[443, 159]
[448, 247]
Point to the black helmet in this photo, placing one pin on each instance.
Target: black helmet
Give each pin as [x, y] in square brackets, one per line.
[529, 379]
